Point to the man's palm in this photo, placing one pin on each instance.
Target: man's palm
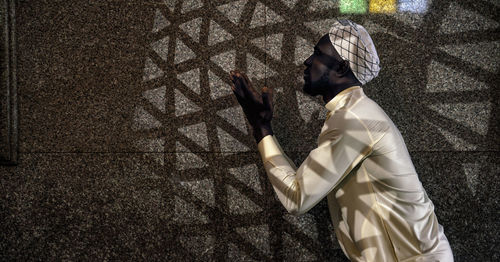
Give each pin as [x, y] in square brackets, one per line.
[257, 108]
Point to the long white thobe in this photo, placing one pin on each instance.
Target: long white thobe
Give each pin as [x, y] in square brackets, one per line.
[378, 206]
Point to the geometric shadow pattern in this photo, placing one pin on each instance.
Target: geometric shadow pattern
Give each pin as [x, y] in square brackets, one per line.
[224, 207]
[220, 211]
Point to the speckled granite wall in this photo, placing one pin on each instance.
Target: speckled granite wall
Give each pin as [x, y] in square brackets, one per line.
[133, 148]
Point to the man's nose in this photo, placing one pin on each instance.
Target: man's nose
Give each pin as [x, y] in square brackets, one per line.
[307, 62]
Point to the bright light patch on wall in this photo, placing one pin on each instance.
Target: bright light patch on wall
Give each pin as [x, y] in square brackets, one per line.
[414, 6]
[382, 6]
[353, 6]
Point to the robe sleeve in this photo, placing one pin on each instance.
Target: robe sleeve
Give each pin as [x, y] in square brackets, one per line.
[339, 151]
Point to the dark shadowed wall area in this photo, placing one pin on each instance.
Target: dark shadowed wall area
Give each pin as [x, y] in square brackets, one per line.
[132, 146]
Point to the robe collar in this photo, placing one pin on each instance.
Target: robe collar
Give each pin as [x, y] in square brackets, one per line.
[332, 104]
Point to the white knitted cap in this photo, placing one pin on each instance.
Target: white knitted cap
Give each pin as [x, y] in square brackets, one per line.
[354, 44]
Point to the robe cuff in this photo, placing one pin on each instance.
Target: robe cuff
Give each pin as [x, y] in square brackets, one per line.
[269, 147]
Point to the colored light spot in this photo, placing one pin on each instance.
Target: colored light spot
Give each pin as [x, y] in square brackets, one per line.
[353, 6]
[382, 6]
[414, 6]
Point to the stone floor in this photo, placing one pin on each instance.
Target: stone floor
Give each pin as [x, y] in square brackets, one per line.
[132, 146]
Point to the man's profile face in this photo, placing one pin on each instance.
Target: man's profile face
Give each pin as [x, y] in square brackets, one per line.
[320, 66]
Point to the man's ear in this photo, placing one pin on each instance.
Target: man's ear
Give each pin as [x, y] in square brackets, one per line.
[343, 67]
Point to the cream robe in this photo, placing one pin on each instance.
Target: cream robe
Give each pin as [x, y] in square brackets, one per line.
[378, 206]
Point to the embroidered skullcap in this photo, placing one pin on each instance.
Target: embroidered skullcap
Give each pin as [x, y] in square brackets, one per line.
[354, 44]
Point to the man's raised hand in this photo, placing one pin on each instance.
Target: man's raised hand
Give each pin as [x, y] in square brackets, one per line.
[258, 108]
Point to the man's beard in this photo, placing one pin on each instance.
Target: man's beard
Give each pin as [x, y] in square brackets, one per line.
[318, 87]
